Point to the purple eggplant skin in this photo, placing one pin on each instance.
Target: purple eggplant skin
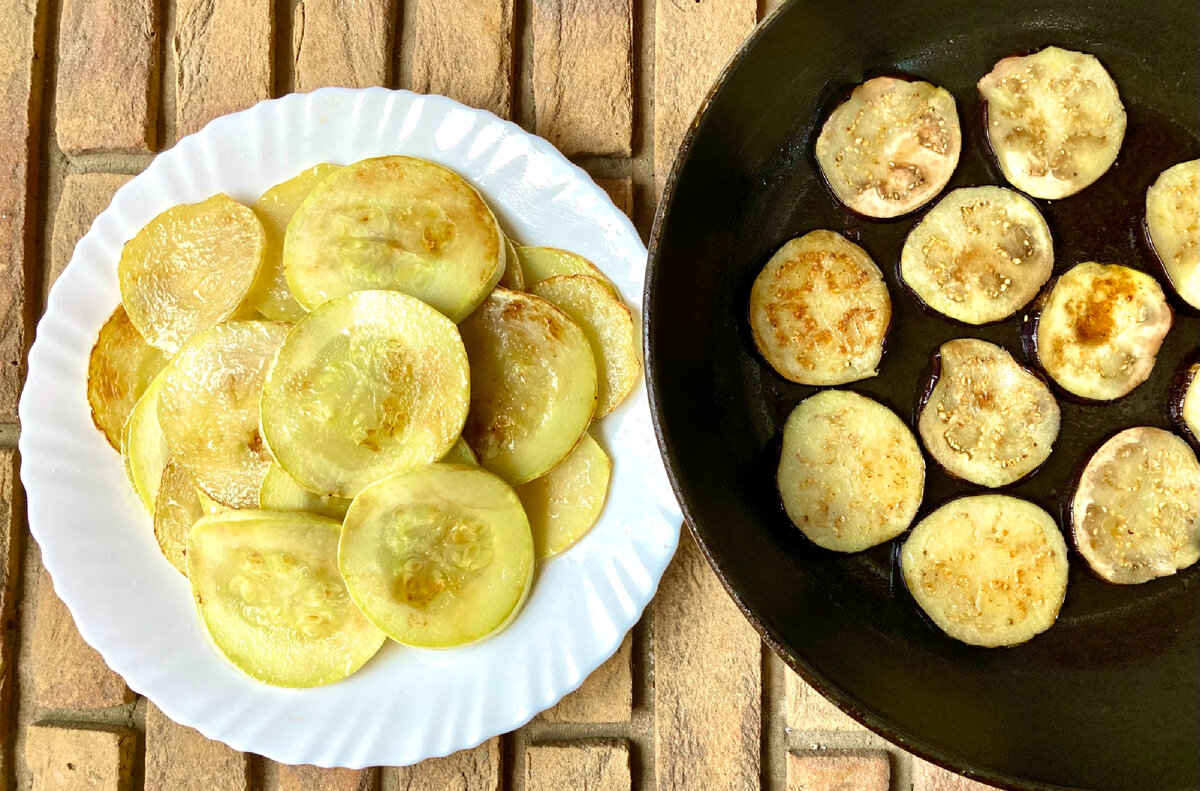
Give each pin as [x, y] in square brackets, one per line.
[1176, 394]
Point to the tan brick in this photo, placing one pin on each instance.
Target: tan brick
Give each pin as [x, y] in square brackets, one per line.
[605, 696]
[342, 42]
[707, 671]
[927, 777]
[65, 759]
[314, 778]
[597, 766]
[17, 55]
[812, 771]
[10, 551]
[582, 75]
[692, 42]
[621, 192]
[181, 759]
[807, 710]
[67, 672]
[84, 195]
[477, 769]
[107, 75]
[464, 50]
[223, 53]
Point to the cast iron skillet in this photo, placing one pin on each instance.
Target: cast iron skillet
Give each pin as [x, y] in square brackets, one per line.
[1109, 697]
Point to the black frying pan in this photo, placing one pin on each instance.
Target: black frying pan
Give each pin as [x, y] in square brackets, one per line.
[1109, 698]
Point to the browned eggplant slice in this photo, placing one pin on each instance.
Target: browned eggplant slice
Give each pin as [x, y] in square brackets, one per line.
[1185, 400]
[1173, 225]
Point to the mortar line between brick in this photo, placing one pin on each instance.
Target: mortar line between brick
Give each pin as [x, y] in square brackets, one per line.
[404, 28]
[166, 76]
[642, 166]
[773, 767]
[512, 760]
[284, 78]
[523, 112]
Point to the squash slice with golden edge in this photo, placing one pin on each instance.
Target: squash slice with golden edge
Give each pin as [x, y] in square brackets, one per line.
[439, 556]
[281, 492]
[608, 325]
[368, 384]
[144, 447]
[178, 505]
[189, 269]
[533, 384]
[563, 504]
[513, 277]
[543, 263]
[395, 223]
[267, 588]
[270, 294]
[209, 408]
[120, 368]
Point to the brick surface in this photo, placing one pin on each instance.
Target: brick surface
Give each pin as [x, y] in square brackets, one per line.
[314, 778]
[342, 42]
[605, 696]
[180, 759]
[707, 666]
[84, 195]
[621, 192]
[582, 75]
[807, 710]
[602, 766]
[67, 672]
[64, 759]
[10, 551]
[17, 52]
[464, 50]
[477, 769]
[223, 57]
[107, 75]
[692, 42]
[927, 777]
[813, 771]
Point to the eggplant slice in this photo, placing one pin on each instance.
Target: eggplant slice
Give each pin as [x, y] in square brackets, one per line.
[1054, 120]
[980, 255]
[1186, 409]
[1100, 329]
[819, 311]
[850, 472]
[1136, 509]
[987, 419]
[891, 147]
[1173, 225]
[990, 570]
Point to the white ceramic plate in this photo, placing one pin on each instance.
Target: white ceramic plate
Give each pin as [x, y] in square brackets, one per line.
[405, 705]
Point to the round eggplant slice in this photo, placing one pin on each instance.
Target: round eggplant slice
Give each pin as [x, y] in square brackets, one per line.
[1173, 225]
[1054, 120]
[395, 223]
[819, 311]
[563, 504]
[439, 556]
[270, 294]
[209, 408]
[144, 447]
[120, 368]
[850, 473]
[189, 269]
[533, 384]
[989, 570]
[980, 255]
[1100, 329]
[891, 147]
[366, 385]
[272, 601]
[282, 492]
[1186, 408]
[987, 420]
[1136, 509]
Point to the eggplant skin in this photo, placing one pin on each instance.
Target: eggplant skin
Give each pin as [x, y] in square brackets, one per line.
[1173, 227]
[1135, 513]
[1188, 409]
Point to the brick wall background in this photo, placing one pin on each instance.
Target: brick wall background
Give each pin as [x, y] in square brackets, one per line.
[91, 89]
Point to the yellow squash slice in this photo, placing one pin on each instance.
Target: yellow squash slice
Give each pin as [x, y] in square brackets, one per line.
[270, 295]
[542, 263]
[368, 384]
[437, 557]
[120, 369]
[608, 325]
[513, 277]
[209, 408]
[395, 223]
[461, 453]
[563, 504]
[176, 509]
[189, 269]
[533, 384]
[144, 446]
[271, 600]
[281, 492]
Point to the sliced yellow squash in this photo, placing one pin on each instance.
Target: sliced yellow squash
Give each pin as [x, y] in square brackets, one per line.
[176, 509]
[120, 369]
[513, 277]
[563, 504]
[542, 263]
[271, 600]
[282, 492]
[437, 557]
[144, 446]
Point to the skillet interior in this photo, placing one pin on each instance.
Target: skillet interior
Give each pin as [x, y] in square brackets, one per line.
[1108, 698]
